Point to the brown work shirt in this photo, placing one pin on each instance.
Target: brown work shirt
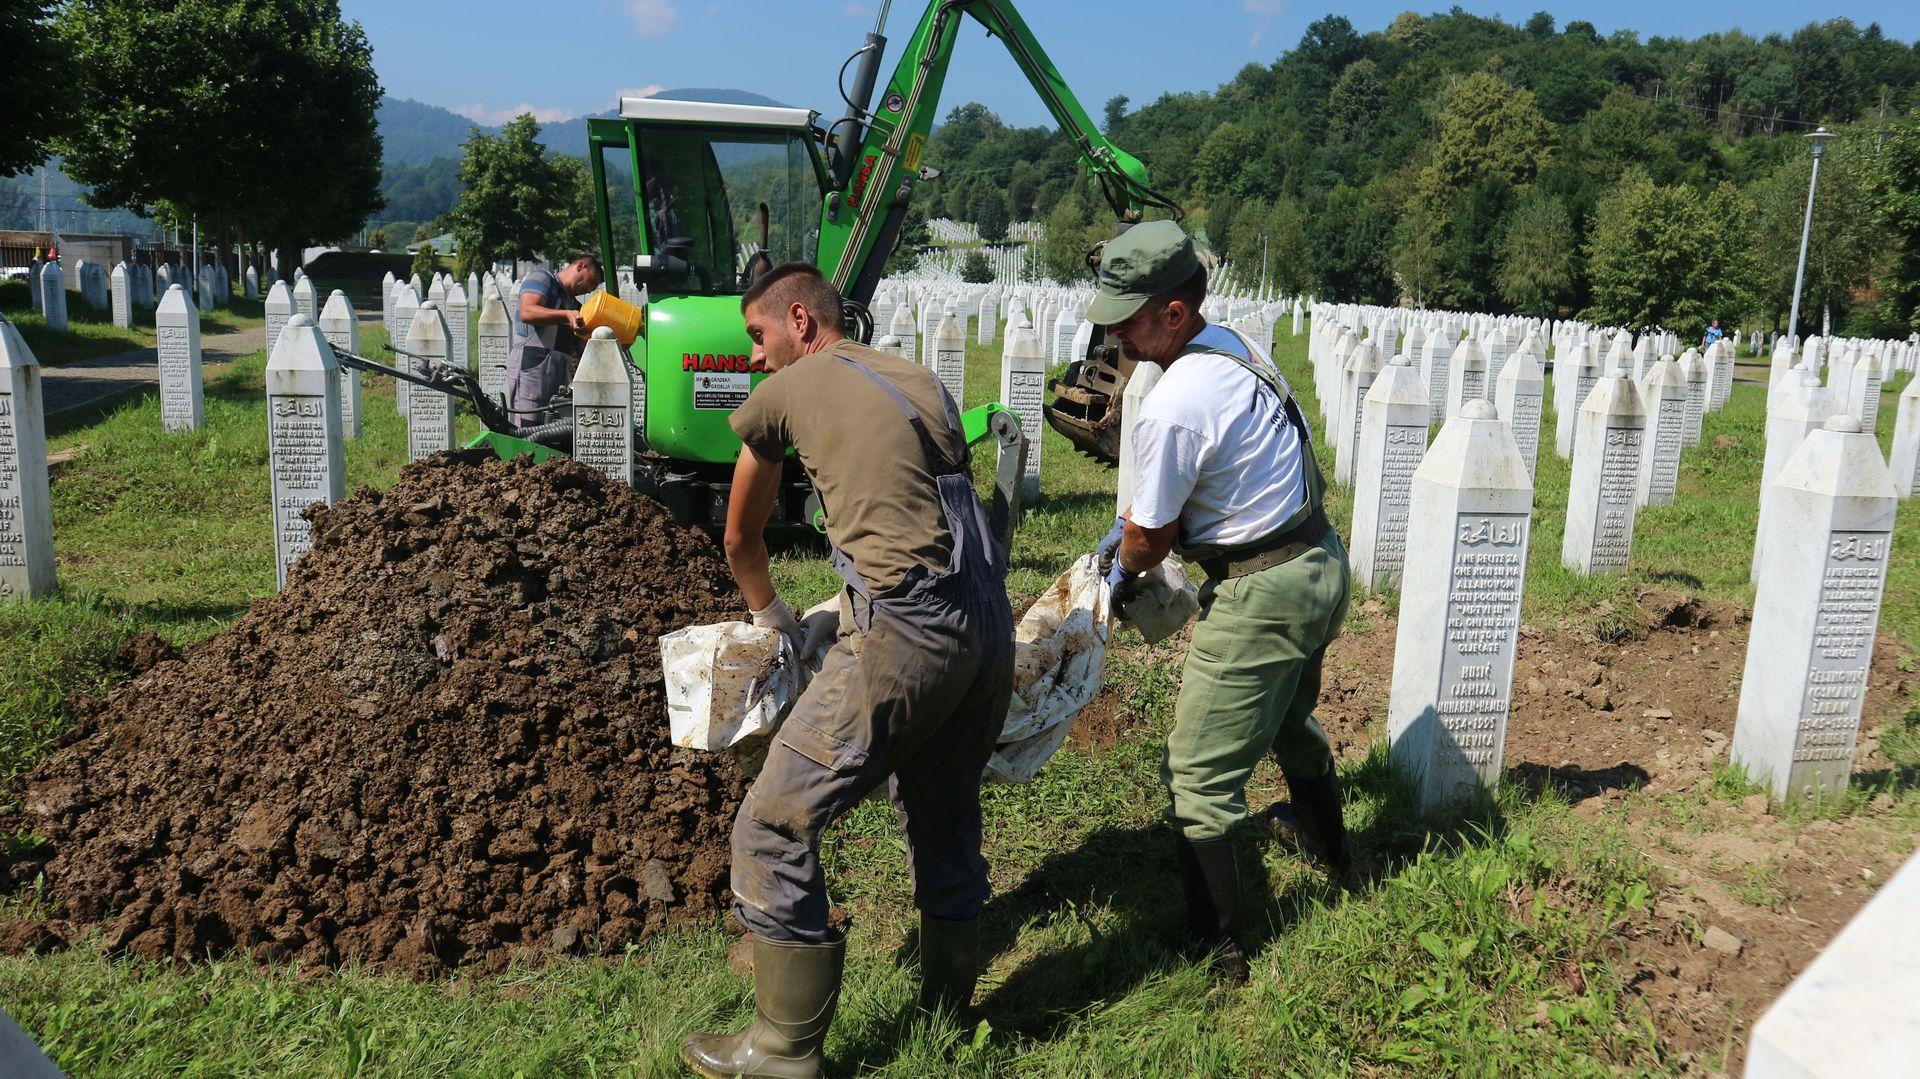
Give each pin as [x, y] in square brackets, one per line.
[882, 501]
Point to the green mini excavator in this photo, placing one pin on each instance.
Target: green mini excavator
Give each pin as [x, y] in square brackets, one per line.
[694, 199]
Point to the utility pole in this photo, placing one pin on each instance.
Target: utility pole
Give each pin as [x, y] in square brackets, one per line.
[1820, 135]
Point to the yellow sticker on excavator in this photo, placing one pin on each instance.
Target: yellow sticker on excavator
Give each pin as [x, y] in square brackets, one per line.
[915, 143]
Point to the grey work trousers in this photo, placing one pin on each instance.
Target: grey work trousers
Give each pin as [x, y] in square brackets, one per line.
[918, 699]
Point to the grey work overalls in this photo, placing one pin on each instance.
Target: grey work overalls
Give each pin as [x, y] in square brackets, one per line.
[537, 368]
[916, 690]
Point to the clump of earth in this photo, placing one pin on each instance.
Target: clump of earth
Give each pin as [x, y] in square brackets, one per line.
[444, 743]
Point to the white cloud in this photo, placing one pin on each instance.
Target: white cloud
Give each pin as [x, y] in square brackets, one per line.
[637, 91]
[651, 18]
[480, 114]
[1263, 12]
[856, 10]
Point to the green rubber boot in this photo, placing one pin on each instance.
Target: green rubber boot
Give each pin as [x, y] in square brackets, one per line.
[949, 963]
[795, 989]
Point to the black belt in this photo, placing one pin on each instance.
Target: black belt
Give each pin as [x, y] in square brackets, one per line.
[1277, 549]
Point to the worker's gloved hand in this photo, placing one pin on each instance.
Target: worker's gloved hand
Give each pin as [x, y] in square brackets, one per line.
[1126, 587]
[1106, 553]
[778, 616]
[822, 628]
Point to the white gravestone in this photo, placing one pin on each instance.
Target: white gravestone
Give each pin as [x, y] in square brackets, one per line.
[1470, 516]
[341, 327]
[1023, 387]
[1433, 365]
[950, 357]
[1850, 1013]
[1608, 440]
[53, 296]
[1664, 396]
[1573, 378]
[890, 345]
[429, 413]
[1698, 374]
[1863, 395]
[305, 457]
[459, 350]
[603, 408]
[222, 284]
[279, 308]
[387, 294]
[206, 289]
[1393, 440]
[1363, 366]
[1720, 359]
[1816, 612]
[305, 300]
[33, 283]
[250, 282]
[495, 340]
[1519, 396]
[26, 510]
[1799, 409]
[405, 306]
[1466, 375]
[983, 331]
[122, 297]
[902, 329]
[176, 328]
[1905, 459]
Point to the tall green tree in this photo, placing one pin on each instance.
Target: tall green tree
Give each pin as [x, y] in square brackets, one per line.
[1844, 239]
[1669, 255]
[1538, 253]
[36, 108]
[243, 114]
[1896, 194]
[516, 201]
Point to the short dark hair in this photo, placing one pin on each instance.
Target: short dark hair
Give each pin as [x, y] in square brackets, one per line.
[593, 263]
[801, 283]
[1192, 291]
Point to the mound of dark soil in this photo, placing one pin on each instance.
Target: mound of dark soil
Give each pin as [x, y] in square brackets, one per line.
[445, 742]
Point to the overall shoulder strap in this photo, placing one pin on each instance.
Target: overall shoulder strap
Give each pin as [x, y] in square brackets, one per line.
[937, 460]
[1269, 376]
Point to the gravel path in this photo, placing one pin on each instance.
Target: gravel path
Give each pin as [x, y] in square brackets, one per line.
[84, 382]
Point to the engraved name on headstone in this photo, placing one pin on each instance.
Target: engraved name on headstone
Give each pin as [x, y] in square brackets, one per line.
[306, 460]
[176, 328]
[603, 408]
[1602, 494]
[26, 510]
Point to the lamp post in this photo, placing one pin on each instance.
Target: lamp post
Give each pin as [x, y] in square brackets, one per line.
[1819, 135]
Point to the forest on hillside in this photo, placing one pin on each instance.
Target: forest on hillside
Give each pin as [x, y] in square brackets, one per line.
[1460, 161]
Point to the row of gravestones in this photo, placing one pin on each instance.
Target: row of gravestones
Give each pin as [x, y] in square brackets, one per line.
[1822, 538]
[127, 288]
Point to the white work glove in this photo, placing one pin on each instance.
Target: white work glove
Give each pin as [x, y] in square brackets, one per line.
[777, 616]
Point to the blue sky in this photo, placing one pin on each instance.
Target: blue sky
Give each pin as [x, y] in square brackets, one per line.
[492, 60]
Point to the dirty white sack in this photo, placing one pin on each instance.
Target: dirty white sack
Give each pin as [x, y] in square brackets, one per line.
[1167, 601]
[1059, 655]
[732, 680]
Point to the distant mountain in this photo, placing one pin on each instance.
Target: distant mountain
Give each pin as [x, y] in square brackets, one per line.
[414, 133]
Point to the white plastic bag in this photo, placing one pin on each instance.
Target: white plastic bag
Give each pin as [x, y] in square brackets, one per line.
[1166, 602]
[726, 682]
[1059, 656]
[732, 680]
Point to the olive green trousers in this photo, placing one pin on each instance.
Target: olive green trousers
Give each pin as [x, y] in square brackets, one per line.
[1249, 686]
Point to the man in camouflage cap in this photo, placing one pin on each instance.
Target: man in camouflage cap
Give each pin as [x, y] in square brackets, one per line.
[1224, 474]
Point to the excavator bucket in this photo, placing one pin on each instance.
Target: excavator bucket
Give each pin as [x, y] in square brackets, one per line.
[1086, 402]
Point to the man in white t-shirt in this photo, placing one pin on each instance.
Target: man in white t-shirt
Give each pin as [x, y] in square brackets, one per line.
[1225, 475]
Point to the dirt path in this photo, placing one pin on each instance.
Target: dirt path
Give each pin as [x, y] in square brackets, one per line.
[79, 383]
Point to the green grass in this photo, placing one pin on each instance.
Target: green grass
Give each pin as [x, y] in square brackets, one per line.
[1489, 944]
[92, 333]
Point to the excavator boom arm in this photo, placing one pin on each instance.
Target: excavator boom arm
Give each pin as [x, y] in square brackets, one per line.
[863, 219]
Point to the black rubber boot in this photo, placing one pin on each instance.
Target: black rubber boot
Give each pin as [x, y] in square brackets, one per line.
[949, 963]
[1321, 831]
[1211, 876]
[795, 989]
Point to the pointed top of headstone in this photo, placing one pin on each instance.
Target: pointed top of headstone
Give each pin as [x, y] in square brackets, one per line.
[1478, 409]
[14, 351]
[600, 333]
[1841, 421]
[300, 319]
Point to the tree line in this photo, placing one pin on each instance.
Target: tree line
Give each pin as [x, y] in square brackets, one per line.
[1461, 161]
